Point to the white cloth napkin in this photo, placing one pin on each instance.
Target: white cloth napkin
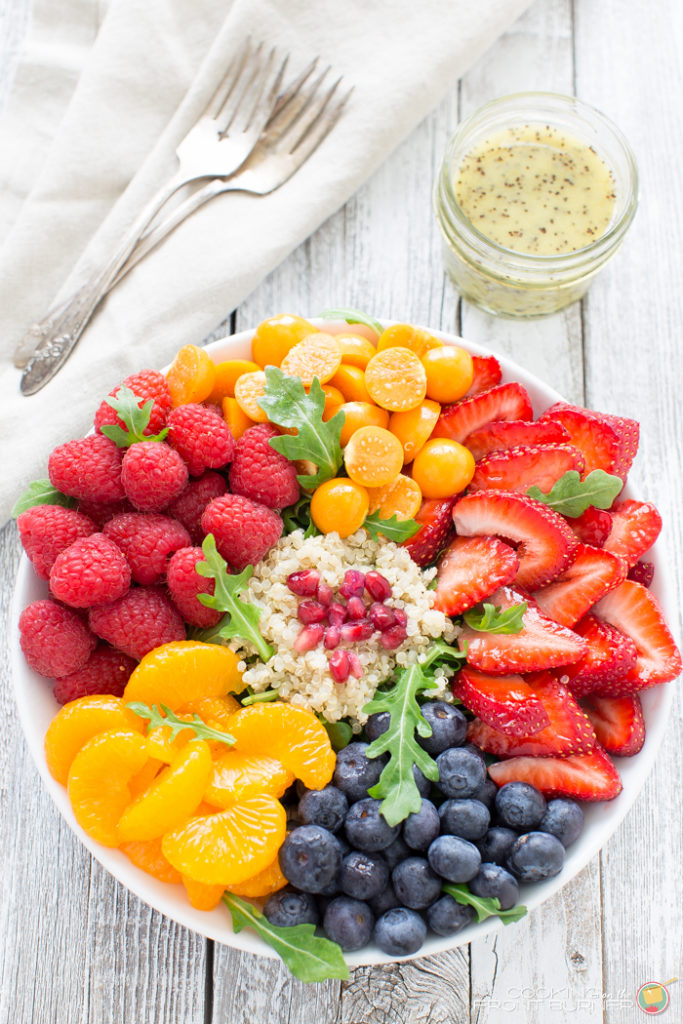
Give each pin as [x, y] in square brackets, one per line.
[150, 71]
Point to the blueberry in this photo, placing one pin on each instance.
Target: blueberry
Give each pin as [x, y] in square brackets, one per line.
[355, 773]
[386, 900]
[564, 819]
[466, 818]
[421, 781]
[376, 725]
[310, 858]
[536, 855]
[461, 772]
[363, 875]
[400, 932]
[422, 827]
[449, 727]
[454, 859]
[415, 884]
[348, 922]
[396, 852]
[326, 807]
[366, 829]
[486, 793]
[287, 908]
[496, 844]
[520, 805]
[494, 881]
[446, 916]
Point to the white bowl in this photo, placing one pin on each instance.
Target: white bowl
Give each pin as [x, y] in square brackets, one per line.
[37, 707]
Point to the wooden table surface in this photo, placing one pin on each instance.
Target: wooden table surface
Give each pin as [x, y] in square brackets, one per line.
[76, 947]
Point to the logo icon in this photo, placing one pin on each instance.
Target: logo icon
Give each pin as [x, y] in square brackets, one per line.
[653, 996]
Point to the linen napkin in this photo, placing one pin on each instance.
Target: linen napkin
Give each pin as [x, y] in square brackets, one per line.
[152, 68]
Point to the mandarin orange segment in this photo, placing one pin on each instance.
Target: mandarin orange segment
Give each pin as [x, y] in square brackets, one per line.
[146, 776]
[77, 722]
[396, 379]
[407, 336]
[191, 376]
[316, 356]
[201, 896]
[361, 414]
[351, 382]
[226, 376]
[401, 498]
[148, 857]
[373, 457]
[249, 390]
[236, 775]
[274, 337]
[184, 670]
[99, 777]
[414, 427]
[266, 882]
[450, 372]
[214, 711]
[225, 848]
[355, 350]
[235, 417]
[292, 735]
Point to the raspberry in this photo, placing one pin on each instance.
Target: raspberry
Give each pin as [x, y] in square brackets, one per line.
[91, 571]
[106, 671]
[201, 437]
[54, 639]
[146, 384]
[102, 512]
[88, 468]
[189, 507]
[244, 530]
[184, 583]
[153, 475]
[259, 472]
[147, 540]
[47, 530]
[138, 622]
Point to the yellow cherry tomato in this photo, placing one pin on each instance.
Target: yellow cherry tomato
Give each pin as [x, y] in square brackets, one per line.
[443, 468]
[273, 338]
[413, 427]
[355, 350]
[351, 382]
[339, 506]
[333, 401]
[373, 457]
[450, 372]
[361, 414]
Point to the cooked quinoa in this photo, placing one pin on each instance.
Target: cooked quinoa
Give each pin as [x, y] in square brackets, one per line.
[304, 678]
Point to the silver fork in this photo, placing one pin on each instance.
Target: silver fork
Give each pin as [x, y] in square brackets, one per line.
[216, 145]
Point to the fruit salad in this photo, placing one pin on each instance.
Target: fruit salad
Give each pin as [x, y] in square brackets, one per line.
[345, 637]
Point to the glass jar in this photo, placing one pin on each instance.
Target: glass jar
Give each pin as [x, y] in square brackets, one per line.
[525, 285]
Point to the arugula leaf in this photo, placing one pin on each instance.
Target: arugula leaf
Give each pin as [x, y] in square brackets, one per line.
[397, 782]
[484, 906]
[441, 651]
[298, 517]
[41, 492]
[490, 619]
[136, 419]
[308, 957]
[571, 495]
[352, 316]
[260, 698]
[241, 619]
[394, 528]
[176, 725]
[288, 405]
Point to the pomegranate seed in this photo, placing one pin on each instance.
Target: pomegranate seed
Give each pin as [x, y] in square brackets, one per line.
[332, 637]
[393, 637]
[355, 608]
[377, 586]
[353, 585]
[352, 632]
[336, 613]
[304, 583]
[311, 611]
[325, 594]
[355, 667]
[380, 616]
[339, 666]
[309, 637]
[401, 616]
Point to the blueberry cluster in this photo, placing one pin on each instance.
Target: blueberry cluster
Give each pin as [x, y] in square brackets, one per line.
[361, 878]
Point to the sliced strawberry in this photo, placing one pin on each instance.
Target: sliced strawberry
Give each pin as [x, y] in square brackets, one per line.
[592, 435]
[589, 776]
[635, 527]
[436, 528]
[487, 373]
[568, 732]
[592, 526]
[503, 402]
[642, 572]
[618, 723]
[501, 434]
[590, 576]
[636, 612]
[610, 656]
[546, 545]
[628, 434]
[522, 467]
[542, 643]
[505, 702]
[470, 569]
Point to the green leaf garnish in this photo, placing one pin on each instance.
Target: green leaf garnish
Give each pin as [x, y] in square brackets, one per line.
[287, 404]
[135, 417]
[396, 785]
[394, 528]
[241, 619]
[41, 492]
[490, 619]
[442, 653]
[260, 698]
[352, 316]
[308, 957]
[298, 517]
[171, 721]
[571, 495]
[484, 906]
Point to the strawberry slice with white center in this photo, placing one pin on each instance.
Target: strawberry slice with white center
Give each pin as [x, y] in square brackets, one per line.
[635, 527]
[589, 776]
[592, 526]
[503, 402]
[436, 528]
[487, 373]
[542, 643]
[525, 466]
[591, 575]
[507, 703]
[569, 731]
[610, 657]
[635, 611]
[545, 543]
[595, 438]
[502, 434]
[470, 569]
[618, 723]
